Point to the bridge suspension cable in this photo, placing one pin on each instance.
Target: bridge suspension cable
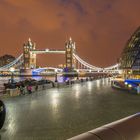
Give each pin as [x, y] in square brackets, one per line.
[87, 65]
[18, 61]
[116, 66]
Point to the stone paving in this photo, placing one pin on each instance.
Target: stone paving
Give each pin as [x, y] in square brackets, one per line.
[60, 113]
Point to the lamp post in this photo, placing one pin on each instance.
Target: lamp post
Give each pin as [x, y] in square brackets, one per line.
[12, 69]
[77, 74]
[56, 75]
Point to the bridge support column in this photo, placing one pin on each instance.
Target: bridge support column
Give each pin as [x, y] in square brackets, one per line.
[28, 56]
[70, 50]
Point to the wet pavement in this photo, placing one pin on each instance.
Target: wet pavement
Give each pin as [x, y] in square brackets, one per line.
[60, 113]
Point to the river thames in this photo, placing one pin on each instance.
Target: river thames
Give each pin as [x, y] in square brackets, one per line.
[61, 113]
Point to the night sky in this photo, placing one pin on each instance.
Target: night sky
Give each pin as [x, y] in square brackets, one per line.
[100, 28]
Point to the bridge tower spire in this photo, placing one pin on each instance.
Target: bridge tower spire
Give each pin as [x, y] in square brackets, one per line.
[70, 50]
[29, 57]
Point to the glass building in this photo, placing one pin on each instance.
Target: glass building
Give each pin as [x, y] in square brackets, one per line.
[130, 57]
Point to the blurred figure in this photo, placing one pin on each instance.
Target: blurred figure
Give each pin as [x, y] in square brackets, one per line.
[29, 88]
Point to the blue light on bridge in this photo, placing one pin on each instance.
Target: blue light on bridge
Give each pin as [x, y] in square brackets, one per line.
[37, 78]
[133, 82]
[38, 71]
[60, 79]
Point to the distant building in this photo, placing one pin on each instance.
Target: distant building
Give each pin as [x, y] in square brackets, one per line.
[6, 59]
[130, 57]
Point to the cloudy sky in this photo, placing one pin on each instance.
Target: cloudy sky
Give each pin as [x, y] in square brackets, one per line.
[100, 28]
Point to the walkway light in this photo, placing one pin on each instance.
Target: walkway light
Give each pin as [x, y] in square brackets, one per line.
[77, 70]
[56, 70]
[12, 69]
[126, 83]
[120, 71]
[129, 86]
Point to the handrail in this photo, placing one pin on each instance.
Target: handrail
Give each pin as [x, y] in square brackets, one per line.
[124, 129]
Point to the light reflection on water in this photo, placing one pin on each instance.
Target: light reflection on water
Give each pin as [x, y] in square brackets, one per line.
[89, 87]
[77, 90]
[12, 123]
[98, 83]
[55, 105]
[77, 94]
[55, 100]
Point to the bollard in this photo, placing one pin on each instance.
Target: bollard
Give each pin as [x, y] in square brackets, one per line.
[124, 129]
[2, 113]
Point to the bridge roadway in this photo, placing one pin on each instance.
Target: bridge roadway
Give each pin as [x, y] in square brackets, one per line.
[58, 114]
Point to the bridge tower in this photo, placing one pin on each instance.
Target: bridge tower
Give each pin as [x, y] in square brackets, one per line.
[29, 57]
[70, 50]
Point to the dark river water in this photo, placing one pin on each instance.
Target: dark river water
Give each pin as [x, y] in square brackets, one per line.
[60, 113]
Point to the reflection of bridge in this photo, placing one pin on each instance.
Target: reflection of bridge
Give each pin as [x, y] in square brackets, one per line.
[27, 60]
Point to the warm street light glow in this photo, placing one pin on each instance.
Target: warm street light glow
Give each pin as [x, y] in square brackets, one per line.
[77, 70]
[12, 69]
[56, 70]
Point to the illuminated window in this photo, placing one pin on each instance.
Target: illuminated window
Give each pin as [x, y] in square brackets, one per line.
[68, 65]
[68, 55]
[68, 50]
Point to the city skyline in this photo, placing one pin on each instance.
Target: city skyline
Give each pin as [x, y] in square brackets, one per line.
[100, 29]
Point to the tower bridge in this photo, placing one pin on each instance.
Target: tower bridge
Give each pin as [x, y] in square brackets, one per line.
[27, 60]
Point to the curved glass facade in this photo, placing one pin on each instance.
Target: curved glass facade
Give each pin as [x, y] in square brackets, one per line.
[130, 58]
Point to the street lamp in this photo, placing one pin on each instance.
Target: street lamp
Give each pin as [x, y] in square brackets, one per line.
[77, 74]
[12, 69]
[56, 75]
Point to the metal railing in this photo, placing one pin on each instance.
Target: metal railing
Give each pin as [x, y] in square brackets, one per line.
[124, 129]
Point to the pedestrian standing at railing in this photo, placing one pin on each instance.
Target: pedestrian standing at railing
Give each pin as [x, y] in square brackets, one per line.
[21, 89]
[29, 88]
[138, 89]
